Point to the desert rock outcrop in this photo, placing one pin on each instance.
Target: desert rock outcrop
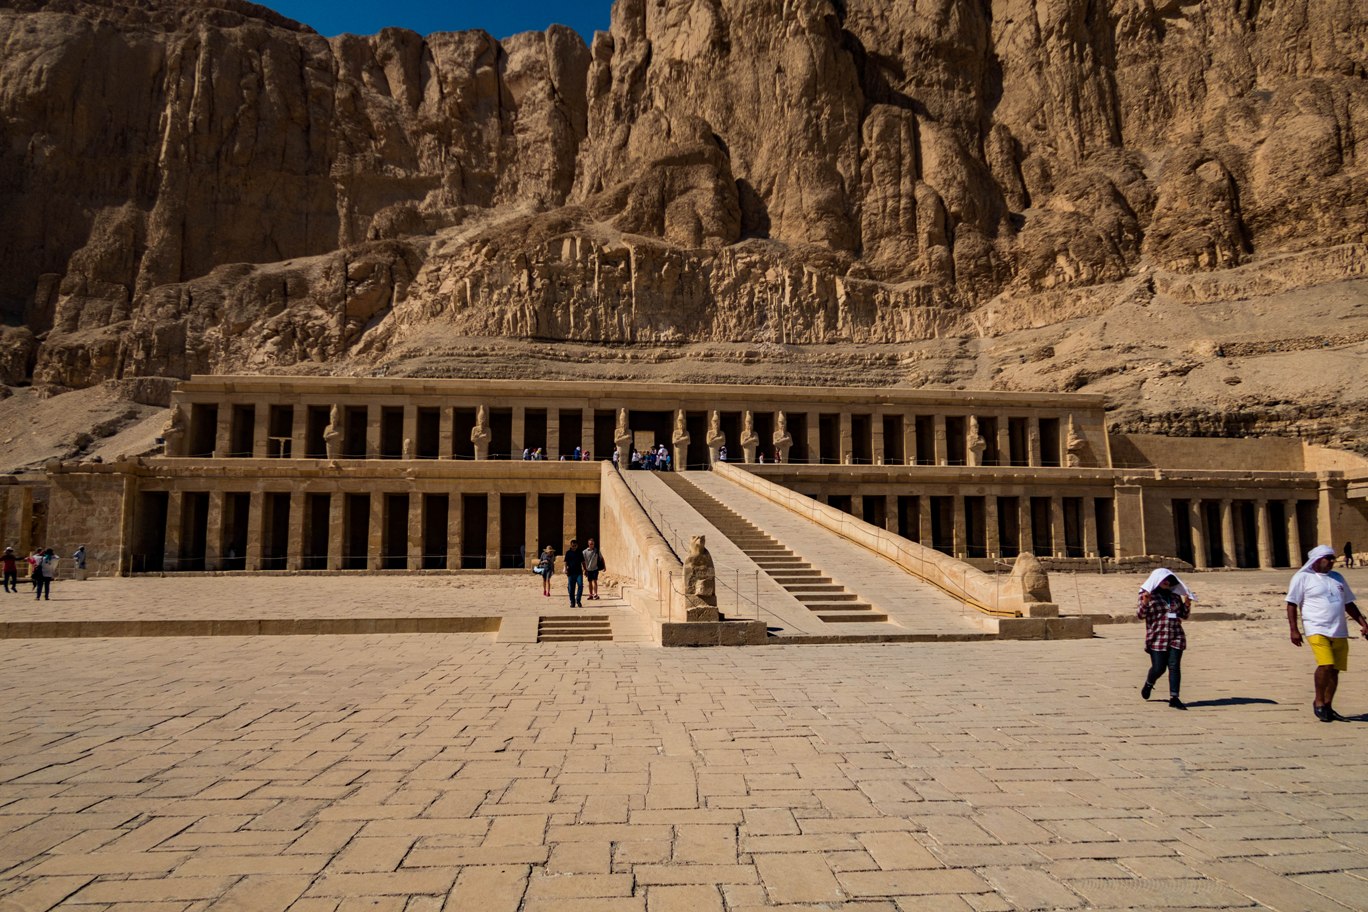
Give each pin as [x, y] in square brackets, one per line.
[208, 186]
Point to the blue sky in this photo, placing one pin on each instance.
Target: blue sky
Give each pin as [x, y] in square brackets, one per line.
[500, 18]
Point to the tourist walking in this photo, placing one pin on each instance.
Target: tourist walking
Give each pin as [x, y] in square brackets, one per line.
[574, 574]
[35, 561]
[1163, 605]
[46, 569]
[10, 564]
[546, 568]
[1323, 599]
[80, 558]
[593, 563]
[1349, 555]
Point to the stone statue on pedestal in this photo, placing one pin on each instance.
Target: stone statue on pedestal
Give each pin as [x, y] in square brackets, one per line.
[332, 434]
[680, 439]
[408, 448]
[174, 431]
[622, 439]
[716, 439]
[783, 440]
[847, 443]
[1074, 446]
[480, 435]
[700, 583]
[976, 444]
[750, 440]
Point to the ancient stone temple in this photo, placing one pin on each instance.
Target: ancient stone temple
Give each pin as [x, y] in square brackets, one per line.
[277, 474]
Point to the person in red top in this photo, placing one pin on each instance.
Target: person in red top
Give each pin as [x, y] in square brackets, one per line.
[11, 569]
[1164, 604]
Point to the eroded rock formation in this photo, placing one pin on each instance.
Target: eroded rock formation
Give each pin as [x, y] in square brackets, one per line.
[207, 186]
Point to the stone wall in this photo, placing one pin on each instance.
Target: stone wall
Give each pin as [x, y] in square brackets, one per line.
[1258, 454]
[89, 509]
[639, 554]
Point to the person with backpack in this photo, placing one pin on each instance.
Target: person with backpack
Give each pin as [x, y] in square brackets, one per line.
[593, 563]
[545, 568]
[44, 571]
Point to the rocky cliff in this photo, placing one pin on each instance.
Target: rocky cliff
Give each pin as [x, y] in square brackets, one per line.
[207, 186]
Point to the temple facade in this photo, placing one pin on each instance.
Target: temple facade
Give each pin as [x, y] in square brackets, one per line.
[336, 474]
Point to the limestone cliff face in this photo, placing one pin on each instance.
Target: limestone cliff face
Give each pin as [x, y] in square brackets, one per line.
[207, 186]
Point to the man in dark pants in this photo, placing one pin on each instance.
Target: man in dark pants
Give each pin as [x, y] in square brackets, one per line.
[574, 572]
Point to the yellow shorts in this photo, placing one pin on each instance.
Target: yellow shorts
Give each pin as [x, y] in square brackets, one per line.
[1330, 651]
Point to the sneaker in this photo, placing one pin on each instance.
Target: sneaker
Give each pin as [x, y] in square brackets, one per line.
[1146, 691]
[1323, 714]
[1177, 703]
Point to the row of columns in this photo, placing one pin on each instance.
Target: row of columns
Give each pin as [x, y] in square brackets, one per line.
[296, 545]
[264, 446]
[993, 545]
[1229, 558]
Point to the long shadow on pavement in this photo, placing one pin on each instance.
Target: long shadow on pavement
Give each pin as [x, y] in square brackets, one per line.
[1231, 701]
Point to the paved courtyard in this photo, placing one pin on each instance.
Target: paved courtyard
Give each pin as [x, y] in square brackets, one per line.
[427, 772]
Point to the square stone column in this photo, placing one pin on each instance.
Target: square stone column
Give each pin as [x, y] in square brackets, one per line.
[876, 438]
[337, 527]
[261, 429]
[1025, 534]
[814, 438]
[961, 545]
[213, 532]
[909, 439]
[553, 434]
[223, 431]
[455, 530]
[1295, 558]
[1197, 522]
[1004, 440]
[1265, 534]
[1057, 542]
[587, 433]
[294, 539]
[990, 526]
[299, 431]
[924, 520]
[372, 432]
[846, 437]
[1229, 556]
[175, 519]
[254, 531]
[891, 513]
[409, 445]
[857, 506]
[519, 431]
[942, 448]
[1129, 521]
[415, 530]
[1089, 527]
[493, 531]
[375, 531]
[567, 524]
[1033, 441]
[530, 547]
[446, 432]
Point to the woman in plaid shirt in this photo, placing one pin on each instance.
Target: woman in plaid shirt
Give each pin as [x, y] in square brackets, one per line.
[1164, 603]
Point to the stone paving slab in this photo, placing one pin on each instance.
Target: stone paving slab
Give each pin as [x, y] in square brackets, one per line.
[422, 772]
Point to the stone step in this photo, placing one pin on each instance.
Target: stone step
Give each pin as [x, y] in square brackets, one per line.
[853, 618]
[574, 638]
[807, 588]
[838, 595]
[838, 606]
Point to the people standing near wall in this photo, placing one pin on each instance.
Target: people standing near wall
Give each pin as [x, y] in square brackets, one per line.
[1349, 555]
[593, 563]
[10, 564]
[1323, 599]
[574, 573]
[80, 558]
[35, 561]
[546, 567]
[47, 572]
[1164, 603]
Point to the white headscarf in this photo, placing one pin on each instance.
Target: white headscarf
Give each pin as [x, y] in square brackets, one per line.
[1314, 555]
[1158, 576]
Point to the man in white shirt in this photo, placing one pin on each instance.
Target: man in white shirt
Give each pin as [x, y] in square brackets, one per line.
[1323, 598]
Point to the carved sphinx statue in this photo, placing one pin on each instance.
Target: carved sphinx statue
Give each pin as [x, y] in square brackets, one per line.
[700, 582]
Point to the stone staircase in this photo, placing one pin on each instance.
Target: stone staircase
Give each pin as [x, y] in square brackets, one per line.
[574, 628]
[828, 600]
